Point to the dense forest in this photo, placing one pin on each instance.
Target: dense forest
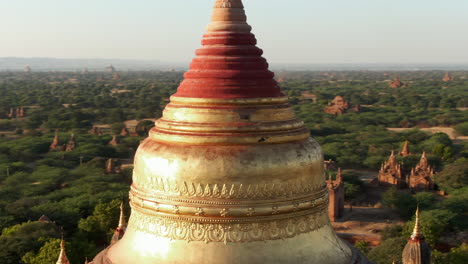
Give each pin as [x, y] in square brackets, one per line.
[73, 190]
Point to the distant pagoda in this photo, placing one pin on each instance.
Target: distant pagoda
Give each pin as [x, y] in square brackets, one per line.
[339, 106]
[416, 251]
[71, 145]
[396, 83]
[124, 132]
[422, 175]
[55, 142]
[110, 69]
[447, 77]
[391, 174]
[405, 150]
[96, 131]
[111, 167]
[121, 228]
[27, 69]
[114, 141]
[11, 113]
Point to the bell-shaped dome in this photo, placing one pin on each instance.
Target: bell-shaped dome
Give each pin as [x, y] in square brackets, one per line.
[229, 174]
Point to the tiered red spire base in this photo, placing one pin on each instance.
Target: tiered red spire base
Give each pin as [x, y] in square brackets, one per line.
[229, 65]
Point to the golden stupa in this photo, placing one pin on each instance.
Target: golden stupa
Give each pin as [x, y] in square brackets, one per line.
[229, 174]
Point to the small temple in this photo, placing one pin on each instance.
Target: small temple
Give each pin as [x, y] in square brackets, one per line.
[121, 228]
[55, 145]
[27, 69]
[405, 151]
[62, 259]
[422, 176]
[390, 173]
[111, 167]
[11, 113]
[336, 196]
[96, 131]
[339, 106]
[44, 219]
[71, 145]
[16, 112]
[114, 141]
[396, 83]
[416, 251]
[20, 112]
[447, 77]
[124, 132]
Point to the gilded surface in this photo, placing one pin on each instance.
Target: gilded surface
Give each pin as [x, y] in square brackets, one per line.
[237, 233]
[229, 178]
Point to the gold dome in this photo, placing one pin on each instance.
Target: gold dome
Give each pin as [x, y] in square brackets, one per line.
[229, 174]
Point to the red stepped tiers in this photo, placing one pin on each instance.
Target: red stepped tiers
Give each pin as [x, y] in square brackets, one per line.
[229, 65]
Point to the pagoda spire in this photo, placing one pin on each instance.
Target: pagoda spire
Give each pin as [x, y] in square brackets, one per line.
[416, 250]
[423, 162]
[417, 227]
[122, 222]
[229, 65]
[55, 141]
[121, 228]
[62, 259]
[405, 150]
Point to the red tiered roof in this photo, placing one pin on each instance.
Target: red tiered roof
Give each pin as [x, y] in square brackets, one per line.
[229, 65]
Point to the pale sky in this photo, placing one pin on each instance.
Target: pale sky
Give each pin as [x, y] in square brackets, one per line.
[289, 31]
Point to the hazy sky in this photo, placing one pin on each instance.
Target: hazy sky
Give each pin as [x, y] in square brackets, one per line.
[289, 31]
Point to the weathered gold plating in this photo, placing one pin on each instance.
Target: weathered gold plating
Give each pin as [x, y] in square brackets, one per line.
[229, 181]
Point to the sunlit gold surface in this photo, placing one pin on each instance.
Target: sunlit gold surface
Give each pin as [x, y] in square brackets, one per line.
[223, 195]
[229, 180]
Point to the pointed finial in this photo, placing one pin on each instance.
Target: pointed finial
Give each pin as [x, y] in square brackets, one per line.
[417, 228]
[120, 230]
[228, 4]
[62, 259]
[122, 221]
[229, 15]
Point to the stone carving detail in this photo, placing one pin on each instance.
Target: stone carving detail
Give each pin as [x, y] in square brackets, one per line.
[200, 212]
[250, 212]
[243, 232]
[228, 191]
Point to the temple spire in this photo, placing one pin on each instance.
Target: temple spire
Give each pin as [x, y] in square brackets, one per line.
[417, 227]
[416, 250]
[121, 228]
[55, 141]
[62, 259]
[229, 65]
[122, 222]
[405, 150]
